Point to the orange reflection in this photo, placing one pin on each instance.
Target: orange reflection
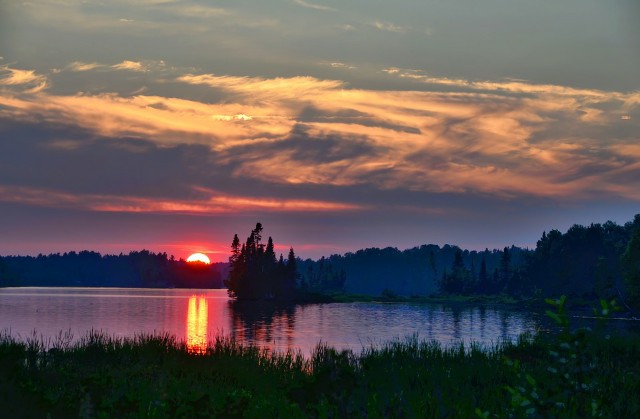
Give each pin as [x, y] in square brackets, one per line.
[197, 318]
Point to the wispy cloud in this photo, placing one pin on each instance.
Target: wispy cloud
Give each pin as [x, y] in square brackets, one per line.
[138, 66]
[215, 203]
[80, 66]
[502, 138]
[389, 27]
[314, 6]
[346, 27]
[265, 89]
[510, 85]
[131, 65]
[199, 11]
[17, 77]
[337, 64]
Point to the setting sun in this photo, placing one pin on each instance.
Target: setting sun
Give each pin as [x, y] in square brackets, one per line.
[199, 257]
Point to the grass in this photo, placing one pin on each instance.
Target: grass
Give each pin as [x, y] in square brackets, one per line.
[578, 374]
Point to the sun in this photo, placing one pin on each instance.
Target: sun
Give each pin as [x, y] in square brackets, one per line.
[199, 257]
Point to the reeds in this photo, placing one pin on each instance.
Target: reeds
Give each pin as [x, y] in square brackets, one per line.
[155, 375]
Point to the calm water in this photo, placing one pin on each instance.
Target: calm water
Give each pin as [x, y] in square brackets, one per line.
[198, 316]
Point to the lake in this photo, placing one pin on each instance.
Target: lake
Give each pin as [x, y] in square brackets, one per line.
[199, 315]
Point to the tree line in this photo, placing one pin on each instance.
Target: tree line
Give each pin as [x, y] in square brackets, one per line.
[412, 272]
[87, 269]
[594, 261]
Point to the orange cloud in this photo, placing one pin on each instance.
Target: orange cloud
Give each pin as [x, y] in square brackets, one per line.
[79, 66]
[504, 138]
[17, 77]
[214, 203]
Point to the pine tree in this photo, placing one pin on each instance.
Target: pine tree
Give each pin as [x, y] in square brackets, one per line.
[234, 283]
[459, 281]
[254, 271]
[631, 266]
[291, 273]
[484, 285]
[505, 270]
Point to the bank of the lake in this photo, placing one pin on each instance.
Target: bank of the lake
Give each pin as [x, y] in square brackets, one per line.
[531, 303]
[393, 298]
[576, 375]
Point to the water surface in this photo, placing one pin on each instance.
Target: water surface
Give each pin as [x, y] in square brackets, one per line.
[198, 316]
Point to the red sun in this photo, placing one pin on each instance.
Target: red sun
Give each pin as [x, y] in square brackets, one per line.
[199, 257]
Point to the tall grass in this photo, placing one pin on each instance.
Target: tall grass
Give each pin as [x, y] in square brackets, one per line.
[157, 376]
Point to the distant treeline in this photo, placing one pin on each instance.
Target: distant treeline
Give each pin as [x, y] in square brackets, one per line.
[595, 261]
[416, 271]
[87, 269]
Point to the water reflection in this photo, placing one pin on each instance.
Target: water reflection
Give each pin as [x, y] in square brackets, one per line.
[197, 321]
[263, 323]
[128, 312]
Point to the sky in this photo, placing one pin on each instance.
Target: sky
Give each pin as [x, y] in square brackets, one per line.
[170, 125]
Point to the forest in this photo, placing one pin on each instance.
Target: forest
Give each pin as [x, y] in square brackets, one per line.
[412, 272]
[91, 269]
[588, 262]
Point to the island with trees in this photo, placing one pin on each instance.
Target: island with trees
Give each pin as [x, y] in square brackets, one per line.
[256, 274]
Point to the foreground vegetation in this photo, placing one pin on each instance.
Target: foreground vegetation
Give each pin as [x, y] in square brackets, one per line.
[576, 374]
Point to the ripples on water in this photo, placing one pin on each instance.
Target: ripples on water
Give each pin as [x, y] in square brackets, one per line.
[197, 317]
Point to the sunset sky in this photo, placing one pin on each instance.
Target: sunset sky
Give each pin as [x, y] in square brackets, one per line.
[171, 125]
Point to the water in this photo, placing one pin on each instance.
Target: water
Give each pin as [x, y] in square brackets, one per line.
[198, 316]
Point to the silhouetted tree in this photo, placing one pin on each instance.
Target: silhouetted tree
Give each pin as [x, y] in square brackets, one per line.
[459, 281]
[631, 266]
[505, 270]
[584, 261]
[291, 273]
[254, 272]
[323, 277]
[484, 284]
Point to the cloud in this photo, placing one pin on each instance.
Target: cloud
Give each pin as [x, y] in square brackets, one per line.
[314, 6]
[389, 27]
[260, 89]
[346, 27]
[215, 203]
[505, 139]
[78, 66]
[237, 117]
[199, 11]
[130, 65]
[337, 64]
[16, 77]
[108, 16]
[513, 86]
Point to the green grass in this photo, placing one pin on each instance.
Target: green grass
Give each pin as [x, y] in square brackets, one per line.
[577, 375]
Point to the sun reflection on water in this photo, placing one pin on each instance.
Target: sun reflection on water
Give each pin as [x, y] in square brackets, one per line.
[197, 318]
